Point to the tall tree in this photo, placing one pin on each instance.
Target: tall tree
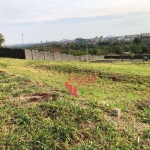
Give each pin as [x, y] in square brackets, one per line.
[137, 41]
[120, 50]
[135, 48]
[1, 39]
[145, 49]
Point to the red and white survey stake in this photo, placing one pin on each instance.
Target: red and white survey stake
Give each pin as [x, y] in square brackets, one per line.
[78, 80]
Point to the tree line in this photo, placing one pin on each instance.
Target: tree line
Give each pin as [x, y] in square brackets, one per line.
[2, 39]
[137, 46]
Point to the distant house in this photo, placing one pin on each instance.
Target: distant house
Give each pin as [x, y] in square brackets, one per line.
[132, 36]
[145, 34]
[121, 38]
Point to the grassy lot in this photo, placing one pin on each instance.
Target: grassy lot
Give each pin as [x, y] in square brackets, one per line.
[38, 113]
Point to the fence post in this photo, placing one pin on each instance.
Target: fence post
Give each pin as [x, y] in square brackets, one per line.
[17, 53]
[81, 58]
[32, 53]
[44, 55]
[62, 56]
[54, 56]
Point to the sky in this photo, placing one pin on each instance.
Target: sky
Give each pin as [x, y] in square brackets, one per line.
[54, 20]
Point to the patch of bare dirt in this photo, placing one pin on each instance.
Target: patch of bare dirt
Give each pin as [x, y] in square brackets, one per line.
[82, 103]
[143, 104]
[115, 78]
[120, 123]
[127, 125]
[41, 97]
[36, 98]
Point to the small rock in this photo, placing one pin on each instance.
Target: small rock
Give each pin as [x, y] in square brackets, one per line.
[117, 112]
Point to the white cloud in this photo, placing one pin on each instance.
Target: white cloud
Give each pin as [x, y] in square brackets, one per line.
[46, 10]
[54, 20]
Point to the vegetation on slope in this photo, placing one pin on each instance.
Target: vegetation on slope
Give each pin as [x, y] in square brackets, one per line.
[37, 112]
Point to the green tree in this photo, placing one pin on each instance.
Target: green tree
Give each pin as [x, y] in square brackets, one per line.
[104, 43]
[132, 55]
[91, 52]
[135, 48]
[2, 40]
[121, 52]
[98, 52]
[145, 49]
[94, 51]
[137, 41]
[118, 50]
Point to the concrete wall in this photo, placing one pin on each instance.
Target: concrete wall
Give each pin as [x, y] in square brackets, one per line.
[41, 55]
[28, 55]
[49, 56]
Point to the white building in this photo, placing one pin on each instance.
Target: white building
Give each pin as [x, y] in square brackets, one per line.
[145, 34]
[101, 38]
[96, 39]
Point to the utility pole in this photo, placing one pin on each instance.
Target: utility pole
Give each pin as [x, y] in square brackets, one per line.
[87, 52]
[111, 50]
[22, 39]
[46, 44]
[69, 52]
[42, 45]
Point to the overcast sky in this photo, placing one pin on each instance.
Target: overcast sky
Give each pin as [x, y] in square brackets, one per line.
[66, 19]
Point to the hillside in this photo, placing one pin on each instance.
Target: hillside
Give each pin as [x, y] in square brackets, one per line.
[38, 113]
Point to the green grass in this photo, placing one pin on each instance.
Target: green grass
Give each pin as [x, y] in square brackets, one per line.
[38, 113]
